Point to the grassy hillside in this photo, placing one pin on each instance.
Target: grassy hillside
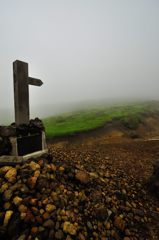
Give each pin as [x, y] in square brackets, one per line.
[70, 123]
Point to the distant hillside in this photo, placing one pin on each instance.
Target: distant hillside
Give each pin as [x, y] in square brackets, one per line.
[54, 110]
[130, 117]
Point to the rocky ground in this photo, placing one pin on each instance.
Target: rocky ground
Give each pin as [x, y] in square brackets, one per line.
[85, 189]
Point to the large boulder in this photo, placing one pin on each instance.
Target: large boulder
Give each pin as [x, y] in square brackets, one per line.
[153, 182]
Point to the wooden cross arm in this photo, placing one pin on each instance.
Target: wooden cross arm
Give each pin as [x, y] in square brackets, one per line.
[34, 81]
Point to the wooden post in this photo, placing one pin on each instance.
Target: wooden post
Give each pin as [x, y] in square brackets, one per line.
[21, 91]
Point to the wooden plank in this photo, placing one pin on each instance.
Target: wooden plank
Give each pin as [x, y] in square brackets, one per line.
[34, 81]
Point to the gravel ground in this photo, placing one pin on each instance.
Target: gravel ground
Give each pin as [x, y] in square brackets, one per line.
[83, 190]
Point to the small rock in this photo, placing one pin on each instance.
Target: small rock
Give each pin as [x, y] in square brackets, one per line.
[41, 211]
[101, 213]
[81, 236]
[39, 219]
[32, 182]
[17, 200]
[13, 228]
[22, 216]
[33, 201]
[107, 225]
[7, 195]
[128, 204]
[29, 216]
[5, 169]
[7, 217]
[35, 211]
[49, 223]
[51, 234]
[24, 189]
[57, 225]
[109, 212]
[22, 208]
[68, 237]
[123, 191]
[22, 237]
[89, 225]
[50, 208]
[34, 230]
[119, 223]
[127, 232]
[37, 173]
[138, 185]
[139, 212]
[115, 235]
[134, 204]
[11, 174]
[59, 234]
[4, 187]
[53, 167]
[82, 176]
[41, 229]
[34, 166]
[70, 228]
[93, 175]
[41, 162]
[54, 196]
[61, 168]
[46, 215]
[45, 201]
[7, 205]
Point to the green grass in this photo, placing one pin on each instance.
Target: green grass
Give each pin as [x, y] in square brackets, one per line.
[71, 123]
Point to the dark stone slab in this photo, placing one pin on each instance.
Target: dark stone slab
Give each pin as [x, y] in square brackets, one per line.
[29, 144]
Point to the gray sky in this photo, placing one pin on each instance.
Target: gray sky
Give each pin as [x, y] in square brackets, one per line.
[81, 49]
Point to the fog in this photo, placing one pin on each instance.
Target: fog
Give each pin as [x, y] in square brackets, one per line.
[84, 51]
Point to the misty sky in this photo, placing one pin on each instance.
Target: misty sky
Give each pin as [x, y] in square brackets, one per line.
[81, 49]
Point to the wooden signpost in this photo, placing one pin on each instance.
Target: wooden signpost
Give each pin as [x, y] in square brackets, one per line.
[21, 91]
[25, 138]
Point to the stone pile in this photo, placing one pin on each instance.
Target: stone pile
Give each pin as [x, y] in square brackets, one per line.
[51, 199]
[35, 126]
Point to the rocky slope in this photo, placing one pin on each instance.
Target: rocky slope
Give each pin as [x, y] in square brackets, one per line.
[86, 191]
